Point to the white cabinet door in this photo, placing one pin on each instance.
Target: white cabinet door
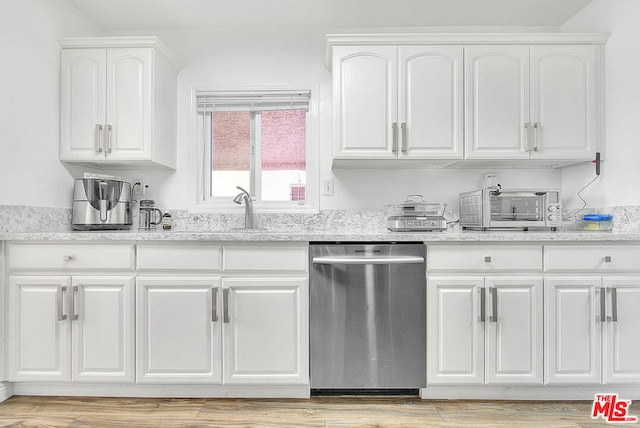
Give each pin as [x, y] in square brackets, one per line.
[365, 102]
[564, 101]
[179, 330]
[622, 339]
[103, 330]
[38, 328]
[265, 331]
[573, 330]
[497, 101]
[431, 102]
[455, 331]
[514, 330]
[82, 103]
[129, 103]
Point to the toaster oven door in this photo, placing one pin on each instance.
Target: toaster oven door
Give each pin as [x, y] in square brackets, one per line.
[517, 209]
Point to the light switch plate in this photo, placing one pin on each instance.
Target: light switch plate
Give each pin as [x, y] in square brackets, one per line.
[327, 187]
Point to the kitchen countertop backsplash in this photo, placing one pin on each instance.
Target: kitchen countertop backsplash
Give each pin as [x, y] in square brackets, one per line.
[24, 219]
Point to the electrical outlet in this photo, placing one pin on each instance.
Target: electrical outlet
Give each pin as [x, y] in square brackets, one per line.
[140, 187]
[327, 187]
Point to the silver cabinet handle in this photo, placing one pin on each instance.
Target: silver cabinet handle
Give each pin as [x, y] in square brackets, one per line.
[606, 259]
[394, 130]
[59, 303]
[405, 143]
[536, 126]
[487, 259]
[483, 303]
[225, 305]
[98, 138]
[603, 305]
[528, 137]
[67, 258]
[614, 304]
[494, 304]
[107, 130]
[214, 304]
[72, 303]
[342, 260]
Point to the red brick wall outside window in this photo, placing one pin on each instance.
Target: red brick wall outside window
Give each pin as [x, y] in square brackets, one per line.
[283, 144]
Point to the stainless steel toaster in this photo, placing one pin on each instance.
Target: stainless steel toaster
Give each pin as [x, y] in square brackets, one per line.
[100, 204]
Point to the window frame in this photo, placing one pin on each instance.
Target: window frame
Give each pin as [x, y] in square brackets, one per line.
[199, 150]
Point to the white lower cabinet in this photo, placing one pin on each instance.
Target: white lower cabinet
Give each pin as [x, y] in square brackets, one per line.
[179, 330]
[229, 331]
[484, 330]
[265, 334]
[64, 328]
[592, 333]
[621, 341]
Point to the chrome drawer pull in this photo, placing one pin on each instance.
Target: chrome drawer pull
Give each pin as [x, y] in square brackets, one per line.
[214, 305]
[483, 302]
[494, 304]
[67, 258]
[603, 304]
[72, 306]
[59, 303]
[487, 259]
[394, 130]
[607, 259]
[225, 305]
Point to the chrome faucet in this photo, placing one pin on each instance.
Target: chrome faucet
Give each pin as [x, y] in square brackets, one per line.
[248, 207]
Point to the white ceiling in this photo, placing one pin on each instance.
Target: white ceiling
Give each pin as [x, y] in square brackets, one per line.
[131, 15]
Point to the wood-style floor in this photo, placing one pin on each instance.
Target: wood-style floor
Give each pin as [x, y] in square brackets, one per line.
[334, 412]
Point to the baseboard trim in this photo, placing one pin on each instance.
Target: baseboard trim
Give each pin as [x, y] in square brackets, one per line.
[6, 391]
[160, 391]
[538, 392]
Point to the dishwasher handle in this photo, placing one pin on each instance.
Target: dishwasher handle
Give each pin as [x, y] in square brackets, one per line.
[380, 260]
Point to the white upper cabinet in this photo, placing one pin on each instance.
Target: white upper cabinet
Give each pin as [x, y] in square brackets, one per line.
[394, 102]
[365, 102]
[565, 101]
[430, 103]
[129, 84]
[83, 90]
[118, 103]
[464, 100]
[532, 102]
[497, 100]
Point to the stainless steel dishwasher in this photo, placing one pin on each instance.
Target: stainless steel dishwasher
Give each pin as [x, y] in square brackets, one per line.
[367, 316]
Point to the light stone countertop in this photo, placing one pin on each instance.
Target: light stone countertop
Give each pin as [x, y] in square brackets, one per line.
[328, 236]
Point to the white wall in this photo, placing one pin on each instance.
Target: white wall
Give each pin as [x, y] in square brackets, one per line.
[297, 57]
[620, 178]
[30, 172]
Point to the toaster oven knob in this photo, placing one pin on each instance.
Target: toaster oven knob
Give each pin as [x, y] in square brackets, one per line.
[552, 208]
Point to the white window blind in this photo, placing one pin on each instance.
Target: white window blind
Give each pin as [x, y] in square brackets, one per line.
[253, 101]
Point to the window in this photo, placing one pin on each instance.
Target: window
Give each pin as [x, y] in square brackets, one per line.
[260, 141]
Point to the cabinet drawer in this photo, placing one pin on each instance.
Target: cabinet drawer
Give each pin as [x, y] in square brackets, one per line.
[590, 257]
[484, 257]
[71, 257]
[179, 257]
[265, 258]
